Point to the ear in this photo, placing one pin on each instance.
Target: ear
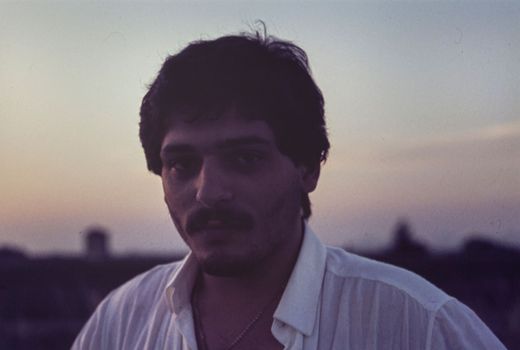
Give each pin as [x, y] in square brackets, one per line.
[309, 177]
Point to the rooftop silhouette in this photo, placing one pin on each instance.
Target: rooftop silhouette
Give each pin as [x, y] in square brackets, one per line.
[44, 301]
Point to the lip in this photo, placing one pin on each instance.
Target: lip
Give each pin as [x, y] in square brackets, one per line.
[217, 236]
[216, 226]
[217, 230]
[219, 220]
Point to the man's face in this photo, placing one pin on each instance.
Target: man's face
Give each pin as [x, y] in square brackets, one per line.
[234, 198]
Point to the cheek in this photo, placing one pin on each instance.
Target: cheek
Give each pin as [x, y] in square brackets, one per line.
[174, 191]
[177, 211]
[177, 198]
[280, 179]
[282, 199]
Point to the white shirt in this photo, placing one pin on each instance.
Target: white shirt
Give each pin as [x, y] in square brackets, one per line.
[333, 300]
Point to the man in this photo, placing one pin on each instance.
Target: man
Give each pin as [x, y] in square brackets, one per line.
[235, 128]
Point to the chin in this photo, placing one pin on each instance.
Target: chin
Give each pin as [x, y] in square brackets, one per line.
[228, 266]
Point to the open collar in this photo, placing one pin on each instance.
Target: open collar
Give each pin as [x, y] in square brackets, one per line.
[299, 303]
[180, 285]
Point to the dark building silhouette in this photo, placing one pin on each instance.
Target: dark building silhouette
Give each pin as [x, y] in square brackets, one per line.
[45, 301]
[8, 253]
[97, 244]
[404, 243]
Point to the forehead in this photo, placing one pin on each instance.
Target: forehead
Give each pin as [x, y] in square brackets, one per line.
[227, 129]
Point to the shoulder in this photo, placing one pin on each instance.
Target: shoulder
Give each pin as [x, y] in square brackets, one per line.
[386, 279]
[394, 301]
[148, 286]
[143, 295]
[456, 326]
[128, 310]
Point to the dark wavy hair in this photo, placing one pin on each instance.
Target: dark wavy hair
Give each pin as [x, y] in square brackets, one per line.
[259, 76]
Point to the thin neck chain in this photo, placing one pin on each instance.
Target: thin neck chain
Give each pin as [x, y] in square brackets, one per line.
[201, 337]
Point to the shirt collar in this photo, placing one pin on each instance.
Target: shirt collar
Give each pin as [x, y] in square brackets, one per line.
[299, 304]
[180, 285]
[178, 295]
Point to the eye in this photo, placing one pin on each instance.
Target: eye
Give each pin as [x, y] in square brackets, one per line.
[182, 164]
[245, 160]
[248, 158]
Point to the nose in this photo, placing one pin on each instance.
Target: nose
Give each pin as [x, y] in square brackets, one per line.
[213, 185]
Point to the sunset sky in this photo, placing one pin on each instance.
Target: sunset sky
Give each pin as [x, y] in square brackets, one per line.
[422, 103]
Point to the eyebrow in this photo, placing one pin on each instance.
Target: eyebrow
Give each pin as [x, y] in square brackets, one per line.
[243, 141]
[225, 144]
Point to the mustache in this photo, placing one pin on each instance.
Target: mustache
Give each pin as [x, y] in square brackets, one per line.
[228, 218]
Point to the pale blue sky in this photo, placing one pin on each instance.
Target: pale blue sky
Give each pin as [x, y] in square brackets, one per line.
[421, 99]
